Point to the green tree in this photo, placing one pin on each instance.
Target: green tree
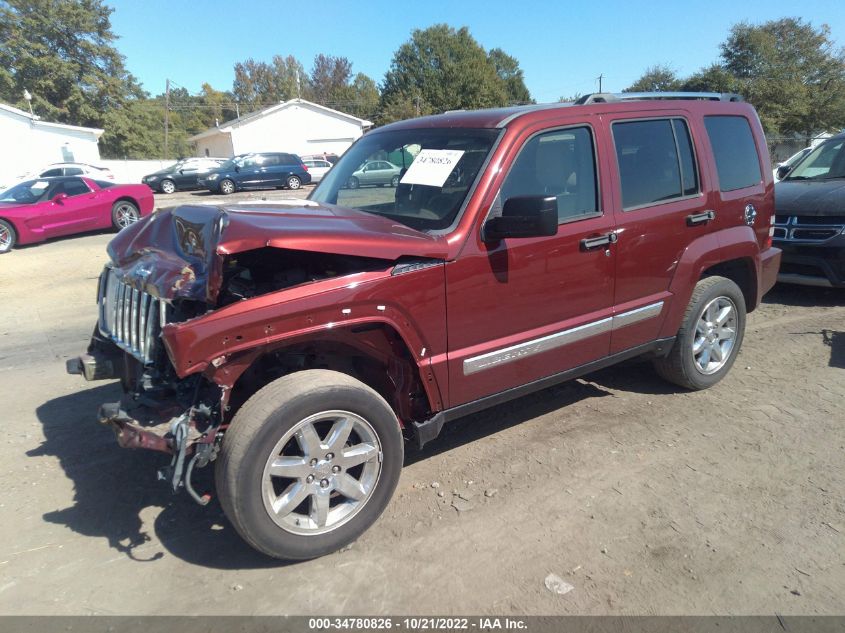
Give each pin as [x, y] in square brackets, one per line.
[361, 98]
[258, 84]
[659, 78]
[440, 69]
[791, 71]
[508, 70]
[329, 80]
[62, 52]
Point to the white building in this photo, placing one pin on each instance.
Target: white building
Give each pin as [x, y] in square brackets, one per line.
[27, 143]
[295, 126]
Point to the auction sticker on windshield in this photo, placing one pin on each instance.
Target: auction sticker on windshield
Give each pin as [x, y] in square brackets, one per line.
[432, 167]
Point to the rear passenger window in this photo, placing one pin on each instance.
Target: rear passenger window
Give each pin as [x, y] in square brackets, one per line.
[734, 150]
[656, 161]
[561, 164]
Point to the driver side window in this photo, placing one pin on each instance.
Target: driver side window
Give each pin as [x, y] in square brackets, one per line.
[560, 163]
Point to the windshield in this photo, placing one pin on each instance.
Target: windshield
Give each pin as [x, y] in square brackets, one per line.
[232, 162]
[419, 177]
[825, 162]
[27, 192]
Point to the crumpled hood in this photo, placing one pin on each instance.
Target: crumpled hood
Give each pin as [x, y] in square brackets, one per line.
[180, 251]
[810, 197]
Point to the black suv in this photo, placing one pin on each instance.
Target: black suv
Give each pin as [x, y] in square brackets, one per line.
[260, 170]
[810, 221]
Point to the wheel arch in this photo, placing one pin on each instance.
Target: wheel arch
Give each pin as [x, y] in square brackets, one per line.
[374, 353]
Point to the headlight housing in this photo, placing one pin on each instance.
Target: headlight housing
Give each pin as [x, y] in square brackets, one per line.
[213, 176]
[151, 178]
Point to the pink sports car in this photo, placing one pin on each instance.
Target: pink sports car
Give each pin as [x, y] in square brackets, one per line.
[36, 210]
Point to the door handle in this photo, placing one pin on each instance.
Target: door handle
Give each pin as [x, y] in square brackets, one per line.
[589, 243]
[700, 218]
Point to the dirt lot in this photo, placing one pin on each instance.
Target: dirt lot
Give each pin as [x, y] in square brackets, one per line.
[646, 499]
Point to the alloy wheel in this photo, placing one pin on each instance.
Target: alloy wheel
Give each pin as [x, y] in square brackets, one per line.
[715, 335]
[5, 239]
[321, 473]
[126, 215]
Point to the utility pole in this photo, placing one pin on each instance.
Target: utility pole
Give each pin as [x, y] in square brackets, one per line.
[166, 116]
[600, 77]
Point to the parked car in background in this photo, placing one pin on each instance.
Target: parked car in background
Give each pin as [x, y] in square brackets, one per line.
[375, 172]
[183, 175]
[295, 346]
[317, 167]
[259, 170]
[63, 169]
[332, 158]
[789, 163]
[36, 210]
[810, 221]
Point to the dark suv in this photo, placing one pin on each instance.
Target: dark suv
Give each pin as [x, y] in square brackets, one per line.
[260, 170]
[296, 345]
[810, 221]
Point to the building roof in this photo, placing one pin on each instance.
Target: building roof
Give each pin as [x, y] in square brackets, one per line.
[228, 126]
[36, 120]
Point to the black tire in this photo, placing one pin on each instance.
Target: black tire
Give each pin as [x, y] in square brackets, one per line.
[8, 237]
[352, 183]
[681, 366]
[254, 438]
[294, 182]
[167, 186]
[124, 213]
[394, 182]
[226, 186]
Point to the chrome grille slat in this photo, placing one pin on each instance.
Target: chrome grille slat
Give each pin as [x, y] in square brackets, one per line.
[130, 317]
[796, 228]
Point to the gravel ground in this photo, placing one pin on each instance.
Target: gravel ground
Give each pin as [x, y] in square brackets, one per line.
[645, 499]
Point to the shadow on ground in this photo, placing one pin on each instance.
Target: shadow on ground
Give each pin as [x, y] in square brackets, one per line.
[805, 296]
[113, 487]
[836, 342]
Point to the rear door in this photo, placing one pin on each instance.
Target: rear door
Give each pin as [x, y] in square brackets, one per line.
[660, 210]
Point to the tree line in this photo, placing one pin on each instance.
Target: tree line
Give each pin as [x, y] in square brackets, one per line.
[789, 70]
[63, 53]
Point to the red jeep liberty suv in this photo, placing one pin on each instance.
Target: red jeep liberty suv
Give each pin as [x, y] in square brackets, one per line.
[296, 344]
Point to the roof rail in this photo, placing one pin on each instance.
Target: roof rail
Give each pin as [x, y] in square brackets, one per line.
[613, 97]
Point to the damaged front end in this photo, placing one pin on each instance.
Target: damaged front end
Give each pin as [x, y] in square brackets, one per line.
[178, 266]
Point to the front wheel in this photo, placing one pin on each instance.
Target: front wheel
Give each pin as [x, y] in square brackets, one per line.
[308, 464]
[8, 237]
[394, 182]
[294, 182]
[710, 336]
[124, 213]
[352, 183]
[168, 186]
[227, 186]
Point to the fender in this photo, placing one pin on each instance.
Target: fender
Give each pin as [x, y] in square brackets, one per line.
[242, 331]
[738, 242]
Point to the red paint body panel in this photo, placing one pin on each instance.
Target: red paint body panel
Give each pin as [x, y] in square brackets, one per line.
[77, 214]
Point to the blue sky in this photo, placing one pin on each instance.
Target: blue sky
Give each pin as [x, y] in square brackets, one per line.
[561, 46]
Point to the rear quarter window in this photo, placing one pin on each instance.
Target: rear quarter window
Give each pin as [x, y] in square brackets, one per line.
[734, 150]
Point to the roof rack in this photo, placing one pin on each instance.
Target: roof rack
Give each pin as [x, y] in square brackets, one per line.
[614, 97]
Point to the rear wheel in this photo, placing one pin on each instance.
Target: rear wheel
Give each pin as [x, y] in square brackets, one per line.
[308, 464]
[124, 213]
[710, 336]
[294, 182]
[227, 186]
[394, 182]
[8, 237]
[168, 186]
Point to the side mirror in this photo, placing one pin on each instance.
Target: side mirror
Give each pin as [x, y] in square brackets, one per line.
[523, 216]
[59, 198]
[783, 170]
[237, 168]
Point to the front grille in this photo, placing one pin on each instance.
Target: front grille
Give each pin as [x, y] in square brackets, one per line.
[131, 318]
[804, 228]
